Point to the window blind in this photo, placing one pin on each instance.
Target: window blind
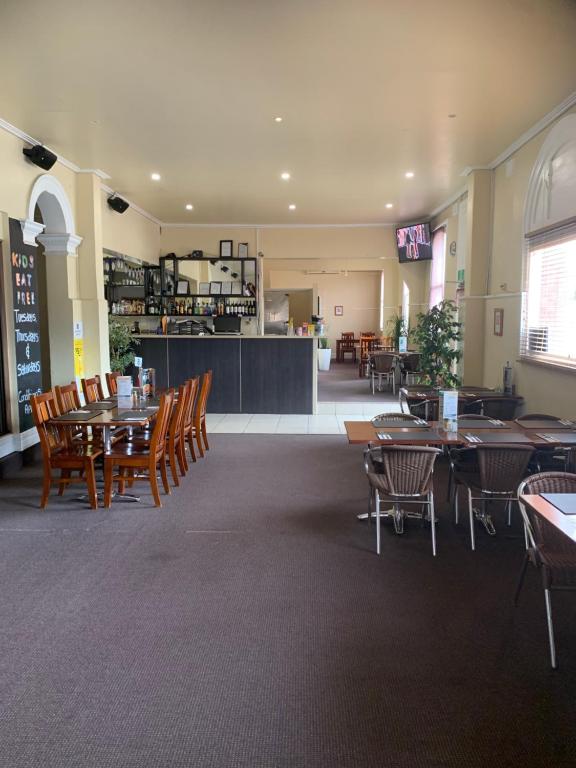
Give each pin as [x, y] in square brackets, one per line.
[549, 309]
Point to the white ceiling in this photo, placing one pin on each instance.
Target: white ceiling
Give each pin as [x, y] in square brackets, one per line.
[190, 89]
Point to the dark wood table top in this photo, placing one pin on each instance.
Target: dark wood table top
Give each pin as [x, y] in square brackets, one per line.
[111, 418]
[427, 393]
[543, 508]
[363, 432]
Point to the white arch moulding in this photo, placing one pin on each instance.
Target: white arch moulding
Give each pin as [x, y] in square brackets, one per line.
[50, 196]
[551, 195]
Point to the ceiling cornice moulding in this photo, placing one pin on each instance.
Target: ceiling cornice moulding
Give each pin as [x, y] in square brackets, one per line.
[109, 191]
[188, 225]
[14, 131]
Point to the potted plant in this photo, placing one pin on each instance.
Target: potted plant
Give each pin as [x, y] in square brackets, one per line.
[436, 335]
[324, 354]
[120, 342]
[398, 328]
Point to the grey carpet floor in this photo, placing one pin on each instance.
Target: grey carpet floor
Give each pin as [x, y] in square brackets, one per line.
[342, 384]
[249, 623]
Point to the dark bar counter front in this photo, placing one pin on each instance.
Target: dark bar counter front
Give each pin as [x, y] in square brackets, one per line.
[251, 374]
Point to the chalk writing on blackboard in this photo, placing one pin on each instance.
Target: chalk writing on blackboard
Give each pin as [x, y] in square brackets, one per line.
[26, 322]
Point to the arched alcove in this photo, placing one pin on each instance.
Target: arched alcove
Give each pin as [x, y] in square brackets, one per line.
[58, 237]
[551, 195]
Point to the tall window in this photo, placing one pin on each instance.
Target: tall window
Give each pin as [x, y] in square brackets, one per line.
[405, 304]
[437, 267]
[549, 310]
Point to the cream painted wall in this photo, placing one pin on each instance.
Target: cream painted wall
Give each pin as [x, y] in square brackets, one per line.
[344, 243]
[544, 389]
[17, 176]
[291, 253]
[357, 292]
[130, 233]
[183, 240]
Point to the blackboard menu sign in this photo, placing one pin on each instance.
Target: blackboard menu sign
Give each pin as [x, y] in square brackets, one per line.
[26, 322]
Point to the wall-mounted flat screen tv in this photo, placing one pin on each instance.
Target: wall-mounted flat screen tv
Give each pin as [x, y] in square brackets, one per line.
[414, 243]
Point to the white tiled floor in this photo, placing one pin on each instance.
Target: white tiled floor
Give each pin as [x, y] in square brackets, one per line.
[328, 421]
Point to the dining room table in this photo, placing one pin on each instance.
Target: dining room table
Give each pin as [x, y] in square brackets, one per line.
[470, 432]
[108, 415]
[564, 521]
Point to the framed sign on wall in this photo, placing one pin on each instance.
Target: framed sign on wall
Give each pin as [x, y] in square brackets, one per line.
[498, 322]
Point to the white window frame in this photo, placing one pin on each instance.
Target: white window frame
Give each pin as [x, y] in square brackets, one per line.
[536, 336]
[437, 269]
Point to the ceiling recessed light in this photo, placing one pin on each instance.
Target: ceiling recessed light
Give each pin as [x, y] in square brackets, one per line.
[409, 174]
[285, 175]
[277, 119]
[388, 205]
[155, 176]
[189, 207]
[292, 207]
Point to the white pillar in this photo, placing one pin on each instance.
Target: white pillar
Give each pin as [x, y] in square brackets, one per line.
[64, 304]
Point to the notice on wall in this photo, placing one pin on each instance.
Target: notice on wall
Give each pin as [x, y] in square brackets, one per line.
[78, 351]
[26, 322]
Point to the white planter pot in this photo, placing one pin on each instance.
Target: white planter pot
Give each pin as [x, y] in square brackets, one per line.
[324, 356]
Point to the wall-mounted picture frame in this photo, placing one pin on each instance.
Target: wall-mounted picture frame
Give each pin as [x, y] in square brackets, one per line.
[226, 249]
[215, 288]
[338, 310]
[236, 289]
[226, 289]
[204, 289]
[242, 250]
[182, 287]
[498, 322]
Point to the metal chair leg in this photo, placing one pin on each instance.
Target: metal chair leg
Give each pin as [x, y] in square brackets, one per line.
[471, 515]
[377, 522]
[433, 522]
[550, 628]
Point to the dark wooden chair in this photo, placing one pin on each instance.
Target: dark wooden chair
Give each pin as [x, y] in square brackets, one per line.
[198, 427]
[59, 454]
[189, 419]
[175, 438]
[92, 389]
[132, 456]
[111, 382]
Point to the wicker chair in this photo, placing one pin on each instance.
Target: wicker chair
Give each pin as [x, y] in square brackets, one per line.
[500, 468]
[422, 409]
[495, 407]
[548, 549]
[546, 459]
[410, 369]
[402, 474]
[382, 366]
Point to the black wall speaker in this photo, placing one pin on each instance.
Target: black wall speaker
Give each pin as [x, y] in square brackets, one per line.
[117, 204]
[41, 156]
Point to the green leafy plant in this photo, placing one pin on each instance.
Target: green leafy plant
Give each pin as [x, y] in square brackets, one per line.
[120, 342]
[436, 335]
[398, 328]
[324, 343]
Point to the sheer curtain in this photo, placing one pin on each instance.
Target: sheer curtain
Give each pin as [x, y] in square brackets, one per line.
[437, 267]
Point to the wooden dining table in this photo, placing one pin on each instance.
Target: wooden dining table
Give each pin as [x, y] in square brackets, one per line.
[106, 416]
[472, 434]
[566, 524]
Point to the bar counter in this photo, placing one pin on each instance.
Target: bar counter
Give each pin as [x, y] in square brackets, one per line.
[251, 374]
